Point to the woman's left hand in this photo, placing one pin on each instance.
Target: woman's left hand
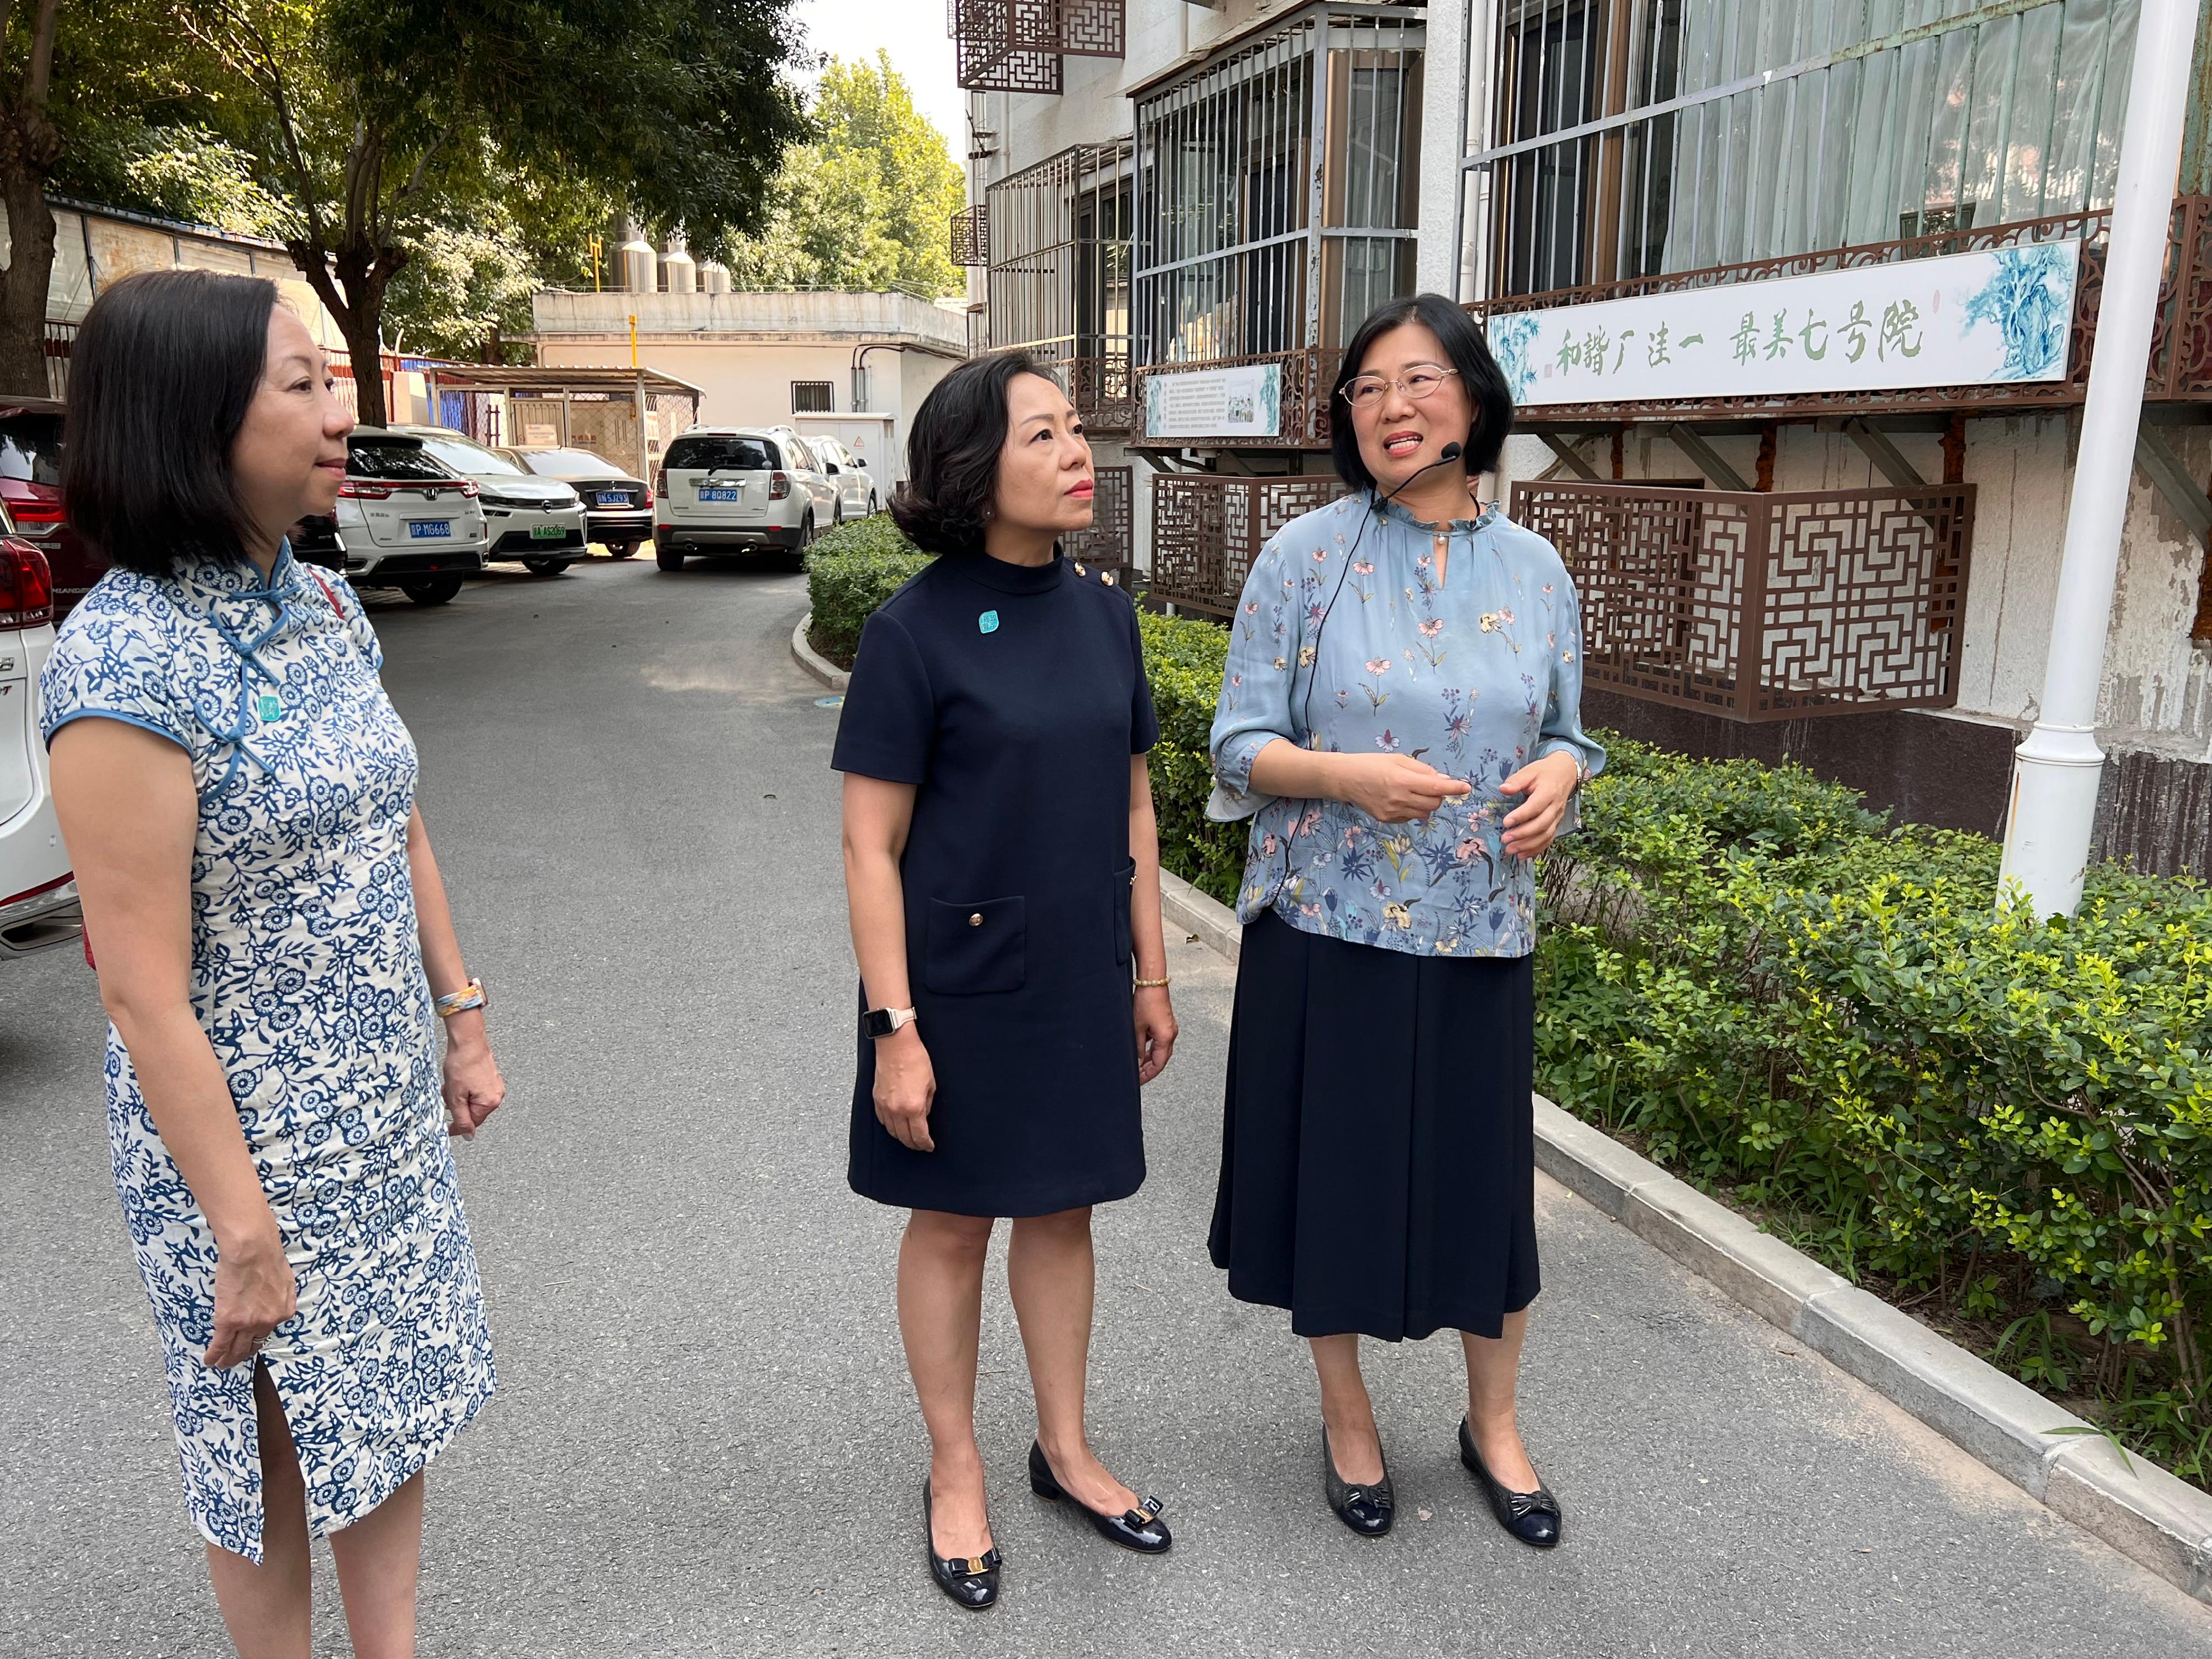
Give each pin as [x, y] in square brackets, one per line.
[474, 1087]
[1156, 1032]
[1549, 785]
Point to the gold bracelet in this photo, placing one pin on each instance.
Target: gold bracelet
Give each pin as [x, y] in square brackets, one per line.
[1159, 984]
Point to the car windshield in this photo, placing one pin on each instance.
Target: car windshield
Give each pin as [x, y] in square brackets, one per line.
[721, 454]
[463, 456]
[392, 458]
[552, 463]
[30, 448]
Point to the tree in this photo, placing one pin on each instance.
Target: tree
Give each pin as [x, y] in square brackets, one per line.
[63, 71]
[865, 205]
[368, 116]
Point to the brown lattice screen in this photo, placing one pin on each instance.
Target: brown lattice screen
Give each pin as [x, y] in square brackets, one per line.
[970, 241]
[1107, 544]
[1764, 606]
[1205, 532]
[1017, 45]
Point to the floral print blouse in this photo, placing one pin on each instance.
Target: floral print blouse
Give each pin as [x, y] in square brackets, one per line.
[1476, 672]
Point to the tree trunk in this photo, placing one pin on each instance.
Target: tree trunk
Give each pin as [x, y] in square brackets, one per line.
[24, 158]
[362, 326]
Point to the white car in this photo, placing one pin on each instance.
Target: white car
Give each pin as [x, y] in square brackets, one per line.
[856, 485]
[726, 490]
[538, 520]
[38, 897]
[405, 519]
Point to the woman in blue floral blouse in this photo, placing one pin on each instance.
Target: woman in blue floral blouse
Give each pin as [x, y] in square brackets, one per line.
[1400, 720]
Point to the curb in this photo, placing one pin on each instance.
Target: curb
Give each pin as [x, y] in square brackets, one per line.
[2139, 1508]
[813, 661]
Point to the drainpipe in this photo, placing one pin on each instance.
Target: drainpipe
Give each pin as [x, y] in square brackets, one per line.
[2057, 768]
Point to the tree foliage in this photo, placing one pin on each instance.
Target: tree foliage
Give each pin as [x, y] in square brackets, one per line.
[864, 204]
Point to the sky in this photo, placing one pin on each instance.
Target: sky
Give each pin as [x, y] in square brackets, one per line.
[913, 32]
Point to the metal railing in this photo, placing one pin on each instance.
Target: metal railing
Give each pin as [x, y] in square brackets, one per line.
[1208, 530]
[2180, 368]
[1017, 45]
[1276, 187]
[1060, 273]
[1764, 606]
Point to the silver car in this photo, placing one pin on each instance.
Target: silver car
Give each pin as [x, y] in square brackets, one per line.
[38, 890]
[538, 520]
[856, 485]
[724, 489]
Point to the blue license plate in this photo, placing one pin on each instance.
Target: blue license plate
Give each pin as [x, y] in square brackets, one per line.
[614, 498]
[423, 529]
[718, 494]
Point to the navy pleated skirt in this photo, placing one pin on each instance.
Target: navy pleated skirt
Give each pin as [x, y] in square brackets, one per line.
[1378, 1153]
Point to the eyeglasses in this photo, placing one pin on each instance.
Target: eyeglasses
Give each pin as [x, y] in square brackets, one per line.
[1419, 383]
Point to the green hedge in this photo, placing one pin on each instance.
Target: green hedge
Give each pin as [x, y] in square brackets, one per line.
[1828, 1022]
[1832, 1023]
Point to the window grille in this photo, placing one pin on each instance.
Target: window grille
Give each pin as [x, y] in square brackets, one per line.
[1059, 281]
[1635, 138]
[812, 398]
[970, 235]
[1017, 45]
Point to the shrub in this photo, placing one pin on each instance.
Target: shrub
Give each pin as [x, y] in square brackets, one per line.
[1183, 661]
[849, 571]
[1834, 1023]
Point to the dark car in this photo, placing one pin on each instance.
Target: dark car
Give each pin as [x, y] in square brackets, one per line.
[30, 485]
[618, 507]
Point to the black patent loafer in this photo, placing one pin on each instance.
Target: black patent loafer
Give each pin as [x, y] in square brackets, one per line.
[970, 1580]
[1531, 1517]
[1140, 1529]
[1368, 1510]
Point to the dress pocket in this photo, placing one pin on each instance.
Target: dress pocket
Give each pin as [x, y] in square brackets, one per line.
[975, 948]
[1125, 883]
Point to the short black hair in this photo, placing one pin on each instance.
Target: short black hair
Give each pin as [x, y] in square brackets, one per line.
[952, 453]
[1462, 340]
[162, 371]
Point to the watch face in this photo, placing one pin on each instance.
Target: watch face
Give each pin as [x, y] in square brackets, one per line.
[876, 1023]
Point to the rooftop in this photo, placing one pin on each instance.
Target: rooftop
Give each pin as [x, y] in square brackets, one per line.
[810, 315]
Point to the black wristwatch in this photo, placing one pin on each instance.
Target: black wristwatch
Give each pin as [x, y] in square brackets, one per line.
[881, 1022]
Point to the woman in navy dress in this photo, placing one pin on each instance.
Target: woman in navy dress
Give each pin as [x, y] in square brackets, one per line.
[1002, 865]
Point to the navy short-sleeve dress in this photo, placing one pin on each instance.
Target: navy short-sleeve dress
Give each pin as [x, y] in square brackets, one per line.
[1013, 697]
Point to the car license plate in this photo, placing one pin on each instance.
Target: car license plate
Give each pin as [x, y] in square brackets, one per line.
[717, 495]
[548, 532]
[614, 498]
[423, 529]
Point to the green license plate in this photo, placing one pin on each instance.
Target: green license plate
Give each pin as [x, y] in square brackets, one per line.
[547, 532]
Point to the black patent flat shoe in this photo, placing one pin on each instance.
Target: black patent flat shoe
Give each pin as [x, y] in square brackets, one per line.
[1531, 1517]
[1140, 1529]
[971, 1581]
[1368, 1510]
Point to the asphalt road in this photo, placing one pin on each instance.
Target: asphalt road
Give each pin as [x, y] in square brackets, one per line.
[703, 1442]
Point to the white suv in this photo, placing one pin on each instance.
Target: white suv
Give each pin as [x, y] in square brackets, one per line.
[726, 490]
[38, 899]
[538, 520]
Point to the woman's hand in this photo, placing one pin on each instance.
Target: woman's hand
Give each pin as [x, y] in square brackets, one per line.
[1549, 785]
[1156, 1032]
[474, 1087]
[1391, 789]
[254, 1293]
[906, 1087]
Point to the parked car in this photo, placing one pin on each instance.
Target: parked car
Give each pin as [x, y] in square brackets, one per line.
[617, 508]
[30, 489]
[405, 519]
[38, 895]
[739, 489]
[856, 485]
[538, 520]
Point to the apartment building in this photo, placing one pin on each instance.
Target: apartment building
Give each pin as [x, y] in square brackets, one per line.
[1799, 297]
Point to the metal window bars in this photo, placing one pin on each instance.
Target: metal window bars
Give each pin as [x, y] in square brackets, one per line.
[1060, 286]
[1630, 138]
[1017, 46]
[1276, 186]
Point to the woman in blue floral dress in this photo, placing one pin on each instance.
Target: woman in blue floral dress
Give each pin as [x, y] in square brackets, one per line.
[275, 949]
[1400, 720]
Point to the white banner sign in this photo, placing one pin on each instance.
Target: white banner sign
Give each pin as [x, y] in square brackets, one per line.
[1962, 319]
[1215, 403]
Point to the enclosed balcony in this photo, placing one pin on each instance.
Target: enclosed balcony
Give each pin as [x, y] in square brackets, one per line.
[1018, 46]
[1059, 259]
[1276, 186]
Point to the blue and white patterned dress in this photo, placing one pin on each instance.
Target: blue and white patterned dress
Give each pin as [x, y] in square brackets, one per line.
[307, 975]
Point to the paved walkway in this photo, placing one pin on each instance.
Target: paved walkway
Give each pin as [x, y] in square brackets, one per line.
[704, 1444]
